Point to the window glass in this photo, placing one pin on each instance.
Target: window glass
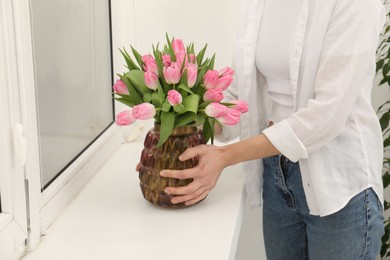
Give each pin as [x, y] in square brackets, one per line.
[72, 55]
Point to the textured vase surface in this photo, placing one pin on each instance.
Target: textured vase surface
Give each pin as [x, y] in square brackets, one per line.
[153, 160]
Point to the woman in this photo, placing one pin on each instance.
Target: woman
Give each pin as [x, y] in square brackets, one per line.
[313, 61]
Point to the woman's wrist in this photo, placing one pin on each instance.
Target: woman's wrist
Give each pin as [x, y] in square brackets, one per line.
[256, 147]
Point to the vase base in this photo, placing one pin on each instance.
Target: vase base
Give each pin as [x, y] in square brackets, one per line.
[160, 198]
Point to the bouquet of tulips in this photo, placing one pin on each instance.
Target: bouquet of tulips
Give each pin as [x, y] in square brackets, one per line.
[176, 87]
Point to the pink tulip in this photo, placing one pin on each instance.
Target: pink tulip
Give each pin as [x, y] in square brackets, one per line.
[120, 87]
[190, 59]
[166, 59]
[125, 118]
[210, 79]
[178, 45]
[150, 64]
[144, 111]
[226, 71]
[216, 110]
[224, 82]
[239, 105]
[192, 74]
[172, 73]
[213, 94]
[174, 97]
[231, 118]
[180, 57]
[151, 80]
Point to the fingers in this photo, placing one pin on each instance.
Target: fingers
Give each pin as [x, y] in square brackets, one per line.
[190, 188]
[197, 199]
[192, 152]
[191, 198]
[179, 174]
[138, 167]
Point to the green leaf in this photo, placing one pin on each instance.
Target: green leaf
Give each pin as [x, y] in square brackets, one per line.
[170, 49]
[211, 64]
[138, 57]
[135, 96]
[200, 119]
[205, 104]
[130, 63]
[191, 103]
[136, 78]
[386, 142]
[212, 123]
[385, 69]
[184, 78]
[125, 102]
[201, 73]
[185, 119]
[207, 132]
[386, 179]
[148, 97]
[156, 100]
[180, 109]
[380, 108]
[379, 64]
[185, 88]
[166, 127]
[166, 106]
[160, 66]
[199, 57]
[384, 120]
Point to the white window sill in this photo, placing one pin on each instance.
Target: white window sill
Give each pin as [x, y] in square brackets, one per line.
[109, 219]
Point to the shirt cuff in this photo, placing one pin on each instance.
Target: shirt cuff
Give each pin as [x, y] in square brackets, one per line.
[284, 139]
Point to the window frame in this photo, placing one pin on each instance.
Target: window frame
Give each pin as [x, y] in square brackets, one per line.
[13, 218]
[42, 208]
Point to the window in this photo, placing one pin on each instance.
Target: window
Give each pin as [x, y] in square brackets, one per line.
[13, 218]
[72, 56]
[56, 111]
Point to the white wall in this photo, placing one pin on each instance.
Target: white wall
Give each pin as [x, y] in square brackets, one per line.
[143, 23]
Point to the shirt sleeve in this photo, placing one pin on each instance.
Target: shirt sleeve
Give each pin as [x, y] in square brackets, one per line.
[346, 68]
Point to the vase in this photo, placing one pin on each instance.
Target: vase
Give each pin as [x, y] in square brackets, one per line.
[155, 159]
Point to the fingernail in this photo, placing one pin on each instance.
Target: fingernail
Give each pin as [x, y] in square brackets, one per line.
[181, 157]
[167, 191]
[162, 173]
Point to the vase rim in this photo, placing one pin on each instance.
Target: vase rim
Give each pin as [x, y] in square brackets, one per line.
[181, 130]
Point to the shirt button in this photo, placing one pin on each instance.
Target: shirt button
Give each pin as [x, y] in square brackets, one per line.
[308, 185]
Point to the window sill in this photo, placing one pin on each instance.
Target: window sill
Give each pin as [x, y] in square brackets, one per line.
[110, 218]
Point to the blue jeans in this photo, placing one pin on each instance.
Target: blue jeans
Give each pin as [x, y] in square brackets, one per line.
[290, 232]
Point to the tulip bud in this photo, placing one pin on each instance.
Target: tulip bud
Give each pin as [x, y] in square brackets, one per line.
[213, 94]
[174, 97]
[239, 105]
[125, 118]
[178, 45]
[192, 74]
[224, 82]
[172, 73]
[232, 117]
[150, 64]
[144, 111]
[180, 57]
[210, 79]
[151, 80]
[166, 59]
[216, 110]
[226, 71]
[120, 87]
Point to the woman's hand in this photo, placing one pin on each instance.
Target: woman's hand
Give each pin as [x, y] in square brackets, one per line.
[205, 175]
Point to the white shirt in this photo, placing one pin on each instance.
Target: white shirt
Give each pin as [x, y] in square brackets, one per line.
[334, 132]
[272, 53]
